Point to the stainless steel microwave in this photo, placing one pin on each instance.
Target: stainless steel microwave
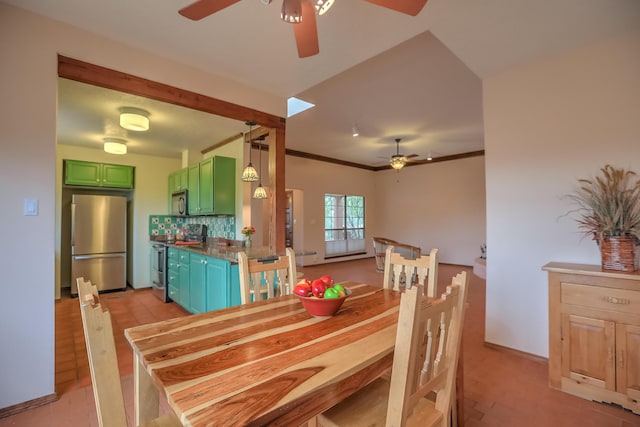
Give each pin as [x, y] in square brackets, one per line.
[180, 203]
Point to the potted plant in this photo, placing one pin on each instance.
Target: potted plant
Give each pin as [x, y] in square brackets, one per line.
[609, 211]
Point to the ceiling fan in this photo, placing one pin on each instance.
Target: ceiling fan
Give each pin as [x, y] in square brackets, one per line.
[300, 13]
[398, 161]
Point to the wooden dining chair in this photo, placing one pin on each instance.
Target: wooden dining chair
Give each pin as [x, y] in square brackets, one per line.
[401, 272]
[103, 362]
[424, 363]
[380, 245]
[266, 278]
[421, 269]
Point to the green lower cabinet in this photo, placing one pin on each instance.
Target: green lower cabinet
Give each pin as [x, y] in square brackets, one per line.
[185, 276]
[217, 284]
[178, 276]
[214, 284]
[198, 283]
[234, 286]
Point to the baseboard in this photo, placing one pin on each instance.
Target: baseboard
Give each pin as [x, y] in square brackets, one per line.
[25, 406]
[530, 356]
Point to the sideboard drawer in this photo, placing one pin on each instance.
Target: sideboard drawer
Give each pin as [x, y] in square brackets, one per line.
[621, 300]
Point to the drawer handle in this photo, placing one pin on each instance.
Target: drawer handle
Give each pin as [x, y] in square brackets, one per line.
[614, 300]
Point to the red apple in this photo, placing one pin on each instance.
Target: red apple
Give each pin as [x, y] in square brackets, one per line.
[303, 289]
[304, 280]
[318, 287]
[328, 280]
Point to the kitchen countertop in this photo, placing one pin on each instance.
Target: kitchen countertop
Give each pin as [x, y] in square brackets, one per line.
[230, 253]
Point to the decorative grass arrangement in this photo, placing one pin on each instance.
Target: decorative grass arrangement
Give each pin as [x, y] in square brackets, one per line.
[609, 211]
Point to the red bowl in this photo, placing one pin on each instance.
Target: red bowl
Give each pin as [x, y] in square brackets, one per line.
[323, 307]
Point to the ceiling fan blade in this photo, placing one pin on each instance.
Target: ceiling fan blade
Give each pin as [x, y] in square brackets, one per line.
[203, 8]
[306, 32]
[410, 7]
[410, 156]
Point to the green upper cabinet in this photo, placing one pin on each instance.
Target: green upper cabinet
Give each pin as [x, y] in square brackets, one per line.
[77, 172]
[224, 185]
[178, 181]
[194, 189]
[212, 187]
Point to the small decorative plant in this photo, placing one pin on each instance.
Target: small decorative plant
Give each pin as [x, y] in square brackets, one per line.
[609, 211]
[248, 230]
[609, 204]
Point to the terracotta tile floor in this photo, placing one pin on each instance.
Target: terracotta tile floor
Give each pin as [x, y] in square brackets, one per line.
[501, 389]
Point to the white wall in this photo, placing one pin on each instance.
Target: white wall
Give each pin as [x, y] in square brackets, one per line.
[29, 45]
[149, 197]
[437, 205]
[315, 179]
[547, 124]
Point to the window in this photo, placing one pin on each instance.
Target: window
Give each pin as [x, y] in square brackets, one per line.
[343, 224]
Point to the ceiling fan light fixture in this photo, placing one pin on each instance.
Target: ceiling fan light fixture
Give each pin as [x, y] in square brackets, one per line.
[291, 11]
[397, 162]
[354, 131]
[322, 6]
[134, 119]
[429, 157]
[115, 146]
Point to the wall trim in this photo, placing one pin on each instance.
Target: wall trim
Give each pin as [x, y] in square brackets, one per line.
[513, 351]
[28, 405]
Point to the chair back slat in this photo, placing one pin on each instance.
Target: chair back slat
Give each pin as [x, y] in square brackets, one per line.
[103, 362]
[402, 273]
[427, 350]
[266, 279]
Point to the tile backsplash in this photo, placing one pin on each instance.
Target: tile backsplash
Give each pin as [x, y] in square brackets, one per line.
[217, 226]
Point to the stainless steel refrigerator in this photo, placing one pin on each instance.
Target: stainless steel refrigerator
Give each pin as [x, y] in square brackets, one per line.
[98, 241]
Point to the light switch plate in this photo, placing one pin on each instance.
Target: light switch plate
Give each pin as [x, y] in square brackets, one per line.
[30, 207]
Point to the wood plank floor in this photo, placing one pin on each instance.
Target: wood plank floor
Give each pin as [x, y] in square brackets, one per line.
[501, 388]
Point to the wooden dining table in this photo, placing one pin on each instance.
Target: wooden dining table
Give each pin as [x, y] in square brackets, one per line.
[264, 363]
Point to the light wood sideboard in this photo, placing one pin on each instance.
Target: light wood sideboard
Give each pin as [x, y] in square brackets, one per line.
[594, 333]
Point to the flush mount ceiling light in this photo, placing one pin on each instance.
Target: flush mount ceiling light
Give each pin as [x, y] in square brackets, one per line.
[249, 173]
[261, 192]
[134, 119]
[115, 146]
[322, 6]
[291, 11]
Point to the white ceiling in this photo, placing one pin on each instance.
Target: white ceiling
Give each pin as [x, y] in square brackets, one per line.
[416, 78]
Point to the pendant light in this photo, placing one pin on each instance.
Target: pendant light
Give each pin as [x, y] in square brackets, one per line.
[249, 173]
[261, 192]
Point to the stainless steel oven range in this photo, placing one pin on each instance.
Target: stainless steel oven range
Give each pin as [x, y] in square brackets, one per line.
[159, 271]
